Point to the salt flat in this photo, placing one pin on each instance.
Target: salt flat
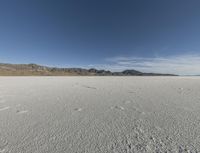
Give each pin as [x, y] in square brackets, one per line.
[99, 114]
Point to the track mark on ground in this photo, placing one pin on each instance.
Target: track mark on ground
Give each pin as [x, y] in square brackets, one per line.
[22, 111]
[78, 109]
[117, 107]
[4, 108]
[89, 87]
[132, 92]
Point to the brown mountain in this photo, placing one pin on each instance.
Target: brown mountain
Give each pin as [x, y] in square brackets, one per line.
[38, 70]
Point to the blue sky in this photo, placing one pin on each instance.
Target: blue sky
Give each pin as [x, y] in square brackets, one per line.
[151, 36]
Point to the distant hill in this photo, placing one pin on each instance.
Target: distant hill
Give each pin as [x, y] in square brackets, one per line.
[38, 70]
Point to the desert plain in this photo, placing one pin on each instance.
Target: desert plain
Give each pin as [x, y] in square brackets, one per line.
[100, 114]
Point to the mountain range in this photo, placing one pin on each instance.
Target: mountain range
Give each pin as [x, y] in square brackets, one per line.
[38, 70]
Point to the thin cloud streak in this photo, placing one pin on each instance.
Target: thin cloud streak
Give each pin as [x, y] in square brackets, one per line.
[181, 64]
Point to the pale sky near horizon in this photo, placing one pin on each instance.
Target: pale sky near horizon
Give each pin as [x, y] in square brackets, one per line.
[150, 36]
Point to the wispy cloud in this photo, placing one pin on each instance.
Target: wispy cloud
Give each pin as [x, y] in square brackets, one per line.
[180, 64]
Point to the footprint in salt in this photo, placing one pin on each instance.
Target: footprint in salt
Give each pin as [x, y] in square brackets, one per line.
[78, 109]
[180, 90]
[4, 108]
[89, 87]
[117, 107]
[132, 92]
[21, 112]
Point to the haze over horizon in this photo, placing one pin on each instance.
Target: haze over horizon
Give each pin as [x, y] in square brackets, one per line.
[149, 36]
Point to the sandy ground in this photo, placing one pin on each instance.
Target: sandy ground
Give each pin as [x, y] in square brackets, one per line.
[99, 114]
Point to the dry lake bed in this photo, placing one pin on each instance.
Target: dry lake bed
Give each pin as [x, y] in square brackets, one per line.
[99, 114]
